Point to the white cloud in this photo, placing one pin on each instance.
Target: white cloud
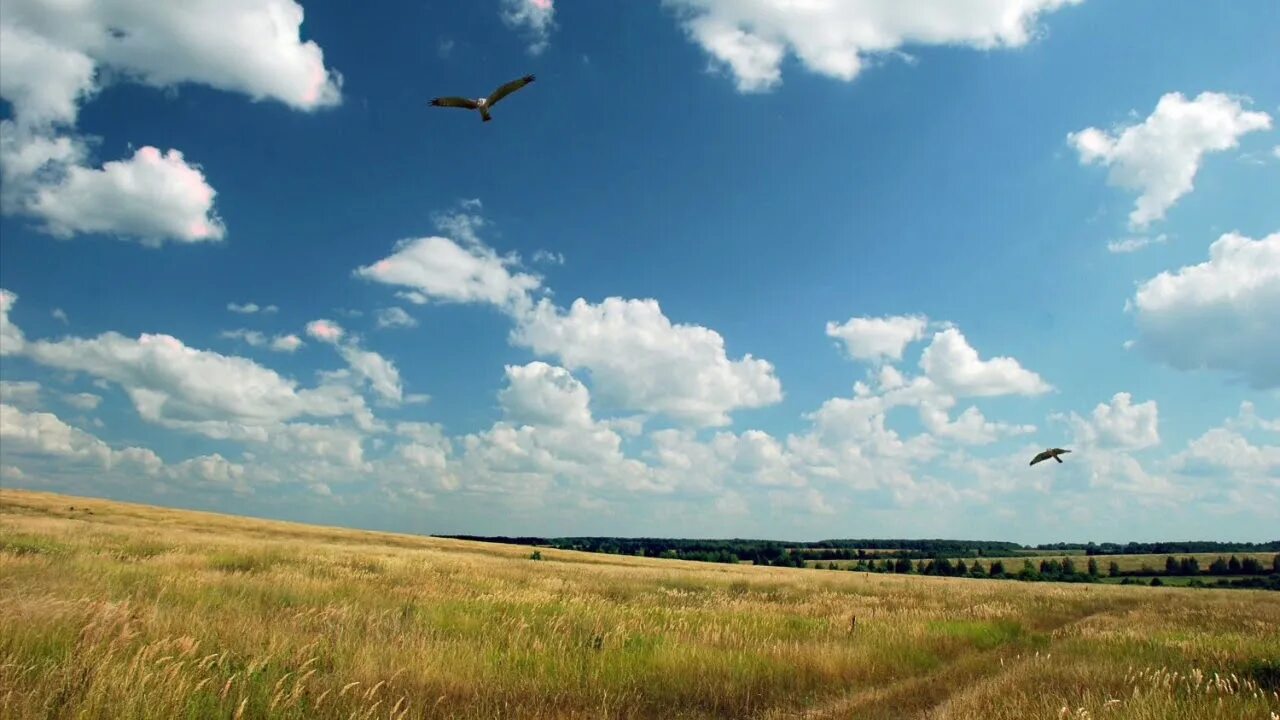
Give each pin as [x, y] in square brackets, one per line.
[955, 366]
[1160, 156]
[1249, 419]
[286, 343]
[379, 372]
[29, 438]
[42, 433]
[54, 56]
[246, 46]
[836, 38]
[12, 340]
[1134, 244]
[1126, 425]
[437, 268]
[173, 384]
[254, 338]
[211, 472]
[971, 427]
[326, 331]
[393, 317]
[542, 394]
[151, 196]
[638, 359]
[251, 308]
[1221, 314]
[548, 257]
[44, 81]
[878, 339]
[1221, 449]
[83, 401]
[24, 393]
[548, 438]
[535, 17]
[60, 315]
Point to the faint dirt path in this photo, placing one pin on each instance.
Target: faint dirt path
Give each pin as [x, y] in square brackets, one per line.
[916, 698]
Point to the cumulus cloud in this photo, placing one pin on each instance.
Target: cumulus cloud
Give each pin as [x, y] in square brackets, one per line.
[535, 17]
[22, 393]
[1160, 156]
[1126, 425]
[954, 365]
[286, 343]
[379, 372]
[1118, 425]
[151, 196]
[326, 331]
[12, 340]
[837, 38]
[1221, 314]
[547, 438]
[437, 268]
[82, 401]
[878, 339]
[542, 394]
[394, 317]
[640, 360]
[254, 338]
[171, 383]
[53, 57]
[44, 81]
[251, 47]
[41, 437]
[42, 433]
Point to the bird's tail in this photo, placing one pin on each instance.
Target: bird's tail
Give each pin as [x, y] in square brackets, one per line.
[484, 115]
[1055, 457]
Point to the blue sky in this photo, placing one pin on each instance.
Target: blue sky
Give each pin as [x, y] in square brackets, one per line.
[727, 267]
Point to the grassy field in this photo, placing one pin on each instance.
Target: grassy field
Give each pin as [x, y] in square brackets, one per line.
[127, 611]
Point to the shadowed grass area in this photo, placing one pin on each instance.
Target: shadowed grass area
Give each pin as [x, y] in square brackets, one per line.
[129, 611]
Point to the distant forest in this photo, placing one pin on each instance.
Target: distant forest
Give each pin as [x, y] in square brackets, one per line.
[794, 554]
[946, 558]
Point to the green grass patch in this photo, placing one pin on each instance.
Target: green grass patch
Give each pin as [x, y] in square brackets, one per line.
[233, 561]
[980, 634]
[32, 545]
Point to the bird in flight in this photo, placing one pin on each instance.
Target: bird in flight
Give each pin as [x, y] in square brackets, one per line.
[483, 104]
[1050, 453]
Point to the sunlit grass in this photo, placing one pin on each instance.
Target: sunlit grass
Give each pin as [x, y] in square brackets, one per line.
[138, 612]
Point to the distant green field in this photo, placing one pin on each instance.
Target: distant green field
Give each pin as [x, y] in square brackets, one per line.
[1127, 563]
[1179, 580]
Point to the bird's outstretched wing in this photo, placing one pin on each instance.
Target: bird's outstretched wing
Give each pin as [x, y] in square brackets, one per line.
[1042, 457]
[458, 102]
[509, 88]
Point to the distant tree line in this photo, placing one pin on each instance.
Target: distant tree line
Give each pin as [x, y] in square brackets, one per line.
[1264, 576]
[938, 557]
[762, 552]
[1162, 548]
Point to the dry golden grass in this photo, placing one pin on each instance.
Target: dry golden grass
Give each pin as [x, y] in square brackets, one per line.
[129, 611]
